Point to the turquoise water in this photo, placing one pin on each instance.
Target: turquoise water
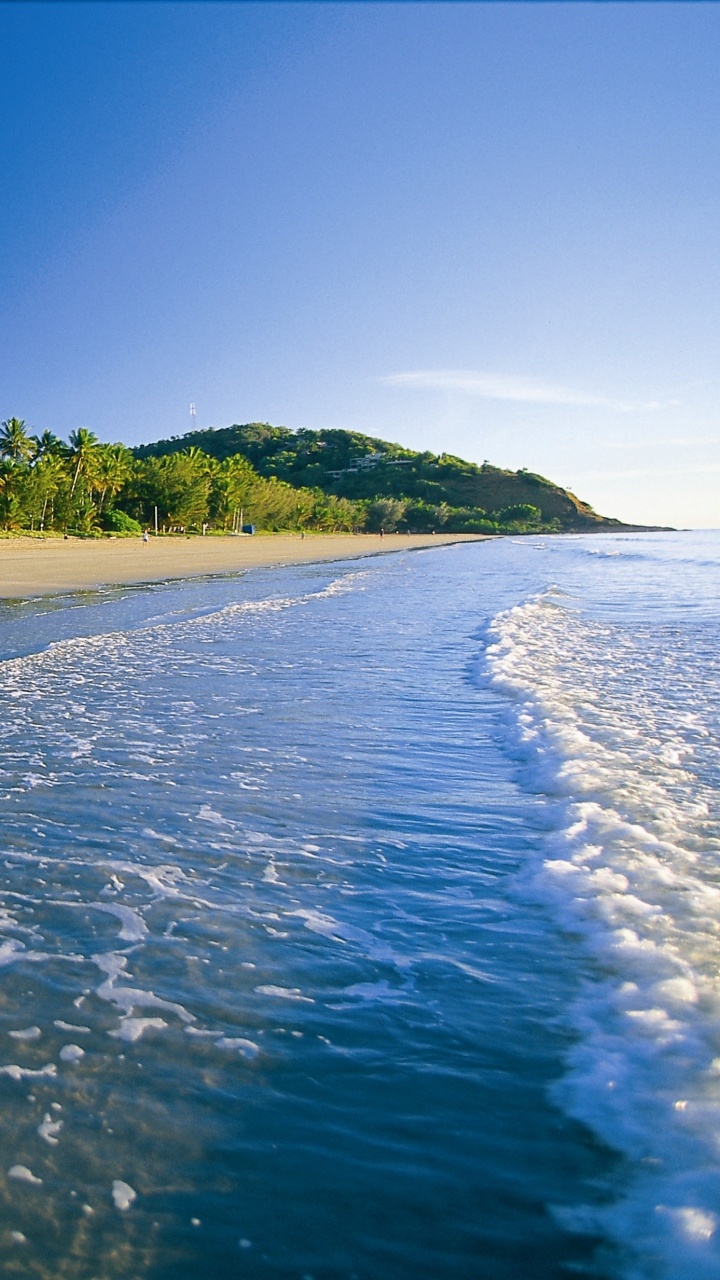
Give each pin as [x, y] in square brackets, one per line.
[333, 944]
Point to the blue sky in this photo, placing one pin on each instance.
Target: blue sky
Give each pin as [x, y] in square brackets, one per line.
[489, 229]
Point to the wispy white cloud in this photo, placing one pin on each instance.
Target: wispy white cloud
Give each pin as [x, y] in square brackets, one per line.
[497, 386]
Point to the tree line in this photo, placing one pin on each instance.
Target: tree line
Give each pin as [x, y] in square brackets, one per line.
[84, 487]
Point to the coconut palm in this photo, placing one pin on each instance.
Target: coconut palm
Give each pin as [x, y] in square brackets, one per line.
[15, 443]
[48, 444]
[84, 446]
[10, 502]
[49, 476]
[113, 467]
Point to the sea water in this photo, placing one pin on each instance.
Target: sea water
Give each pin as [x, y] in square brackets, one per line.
[363, 920]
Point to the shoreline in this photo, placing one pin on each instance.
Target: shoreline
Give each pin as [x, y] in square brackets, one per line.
[52, 566]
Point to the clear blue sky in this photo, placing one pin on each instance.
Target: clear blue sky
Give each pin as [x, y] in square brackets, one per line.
[489, 229]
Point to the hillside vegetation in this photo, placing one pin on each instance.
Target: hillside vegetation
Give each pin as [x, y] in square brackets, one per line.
[398, 487]
[272, 478]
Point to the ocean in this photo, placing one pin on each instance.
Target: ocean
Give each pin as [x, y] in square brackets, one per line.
[361, 921]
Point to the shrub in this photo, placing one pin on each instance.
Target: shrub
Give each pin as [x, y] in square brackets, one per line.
[521, 513]
[120, 522]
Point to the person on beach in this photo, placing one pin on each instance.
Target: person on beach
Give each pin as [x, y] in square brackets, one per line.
[146, 536]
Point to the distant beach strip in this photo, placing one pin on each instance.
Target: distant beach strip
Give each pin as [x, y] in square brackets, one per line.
[30, 566]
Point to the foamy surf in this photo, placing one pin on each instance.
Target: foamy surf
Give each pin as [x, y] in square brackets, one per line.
[617, 728]
[261, 940]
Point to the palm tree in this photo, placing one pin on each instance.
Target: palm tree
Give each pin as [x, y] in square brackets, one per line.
[10, 512]
[15, 443]
[48, 475]
[48, 443]
[114, 467]
[83, 451]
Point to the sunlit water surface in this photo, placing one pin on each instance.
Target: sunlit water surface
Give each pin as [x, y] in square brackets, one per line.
[363, 920]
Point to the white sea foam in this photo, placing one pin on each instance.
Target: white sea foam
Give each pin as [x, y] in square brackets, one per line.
[130, 998]
[131, 1029]
[123, 1194]
[16, 1072]
[50, 1129]
[22, 1174]
[133, 927]
[71, 1053]
[616, 729]
[11, 951]
[247, 1048]
[283, 993]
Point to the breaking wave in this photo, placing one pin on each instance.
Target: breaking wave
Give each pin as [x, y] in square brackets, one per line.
[617, 729]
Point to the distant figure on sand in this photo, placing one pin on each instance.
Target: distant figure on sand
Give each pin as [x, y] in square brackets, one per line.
[146, 536]
[382, 533]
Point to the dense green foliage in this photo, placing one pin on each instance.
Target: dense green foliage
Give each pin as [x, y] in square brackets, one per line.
[48, 484]
[270, 477]
[397, 487]
[85, 487]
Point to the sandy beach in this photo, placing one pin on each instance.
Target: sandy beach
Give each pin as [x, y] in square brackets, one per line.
[31, 566]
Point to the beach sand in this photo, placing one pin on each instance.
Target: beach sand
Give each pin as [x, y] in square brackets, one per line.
[31, 566]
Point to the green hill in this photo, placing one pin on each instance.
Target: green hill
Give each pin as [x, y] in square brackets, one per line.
[219, 481]
[411, 489]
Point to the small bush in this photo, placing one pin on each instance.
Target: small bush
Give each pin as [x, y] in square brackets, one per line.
[120, 522]
[522, 513]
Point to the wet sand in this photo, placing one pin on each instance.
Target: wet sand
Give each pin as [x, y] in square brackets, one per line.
[30, 566]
